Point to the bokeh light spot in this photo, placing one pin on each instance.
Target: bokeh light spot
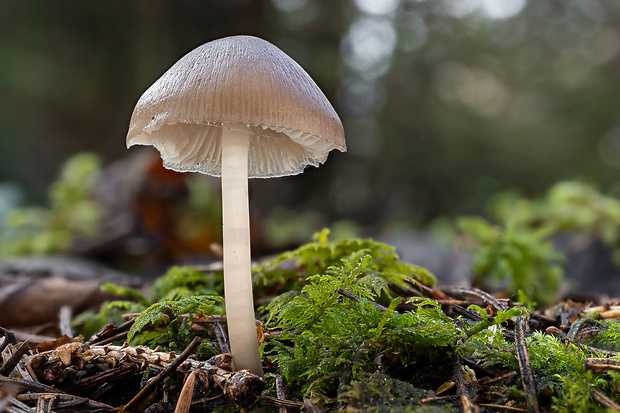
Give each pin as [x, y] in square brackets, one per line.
[380, 7]
[368, 46]
[502, 9]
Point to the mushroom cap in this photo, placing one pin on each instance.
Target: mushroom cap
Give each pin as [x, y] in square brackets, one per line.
[238, 82]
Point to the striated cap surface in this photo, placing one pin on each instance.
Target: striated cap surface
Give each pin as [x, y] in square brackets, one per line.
[238, 82]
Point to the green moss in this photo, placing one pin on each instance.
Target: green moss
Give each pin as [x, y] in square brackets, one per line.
[182, 290]
[326, 340]
[328, 344]
[348, 353]
[170, 332]
[185, 281]
[608, 338]
[316, 257]
[559, 369]
[379, 392]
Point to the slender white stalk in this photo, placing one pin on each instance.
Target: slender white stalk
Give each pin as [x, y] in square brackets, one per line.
[237, 263]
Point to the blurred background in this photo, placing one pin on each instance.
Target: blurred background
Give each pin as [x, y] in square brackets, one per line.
[444, 102]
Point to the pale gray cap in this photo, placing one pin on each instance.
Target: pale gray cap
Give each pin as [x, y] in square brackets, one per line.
[237, 82]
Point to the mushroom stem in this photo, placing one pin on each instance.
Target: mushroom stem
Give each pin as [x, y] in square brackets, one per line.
[240, 316]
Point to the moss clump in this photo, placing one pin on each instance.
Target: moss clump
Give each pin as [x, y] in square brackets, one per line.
[327, 344]
[182, 291]
[316, 257]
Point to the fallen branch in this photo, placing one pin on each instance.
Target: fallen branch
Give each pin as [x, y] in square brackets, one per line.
[527, 374]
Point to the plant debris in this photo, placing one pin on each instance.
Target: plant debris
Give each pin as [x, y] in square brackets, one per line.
[345, 325]
[80, 373]
[337, 344]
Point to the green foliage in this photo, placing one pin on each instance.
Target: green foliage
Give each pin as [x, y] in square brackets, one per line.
[182, 290]
[328, 345]
[328, 341]
[125, 291]
[516, 257]
[72, 213]
[488, 321]
[316, 257]
[608, 338]
[378, 392]
[569, 207]
[165, 329]
[559, 368]
[491, 348]
[517, 253]
[321, 293]
[89, 322]
[186, 281]
[164, 312]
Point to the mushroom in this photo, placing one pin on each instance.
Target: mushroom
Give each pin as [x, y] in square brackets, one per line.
[238, 108]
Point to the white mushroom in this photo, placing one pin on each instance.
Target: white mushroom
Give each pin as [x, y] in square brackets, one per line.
[238, 108]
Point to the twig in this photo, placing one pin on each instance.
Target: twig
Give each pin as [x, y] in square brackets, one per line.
[222, 338]
[274, 401]
[562, 336]
[480, 296]
[113, 338]
[500, 348]
[604, 400]
[29, 385]
[425, 290]
[466, 313]
[527, 374]
[46, 403]
[356, 298]
[503, 377]
[501, 407]
[153, 383]
[10, 364]
[437, 399]
[26, 371]
[280, 392]
[599, 365]
[65, 400]
[109, 332]
[241, 387]
[16, 406]
[411, 291]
